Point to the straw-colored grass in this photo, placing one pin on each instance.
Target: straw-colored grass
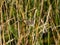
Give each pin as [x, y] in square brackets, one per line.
[29, 22]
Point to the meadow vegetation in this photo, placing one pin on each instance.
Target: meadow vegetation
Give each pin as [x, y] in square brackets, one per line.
[29, 22]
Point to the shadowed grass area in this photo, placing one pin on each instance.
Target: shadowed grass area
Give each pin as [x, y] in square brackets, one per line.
[30, 22]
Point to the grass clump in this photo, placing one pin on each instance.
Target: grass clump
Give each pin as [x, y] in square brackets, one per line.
[29, 22]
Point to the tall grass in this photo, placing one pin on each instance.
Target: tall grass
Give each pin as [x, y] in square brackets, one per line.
[30, 22]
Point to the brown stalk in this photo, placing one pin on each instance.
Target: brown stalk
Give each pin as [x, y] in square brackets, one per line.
[1, 2]
[42, 3]
[17, 5]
